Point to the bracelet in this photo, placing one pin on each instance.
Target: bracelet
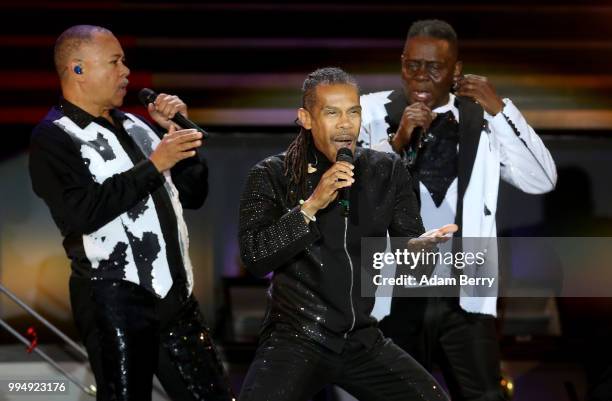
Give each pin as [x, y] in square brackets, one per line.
[309, 217]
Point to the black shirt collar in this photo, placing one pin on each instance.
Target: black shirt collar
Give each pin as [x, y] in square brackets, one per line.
[83, 118]
[317, 159]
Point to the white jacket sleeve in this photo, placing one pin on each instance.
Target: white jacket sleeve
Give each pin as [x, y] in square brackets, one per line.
[525, 161]
[383, 146]
[373, 125]
[365, 132]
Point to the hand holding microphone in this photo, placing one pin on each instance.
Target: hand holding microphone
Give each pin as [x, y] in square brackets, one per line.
[338, 176]
[416, 119]
[177, 144]
[164, 108]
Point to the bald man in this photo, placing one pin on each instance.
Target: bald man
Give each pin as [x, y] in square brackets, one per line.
[116, 187]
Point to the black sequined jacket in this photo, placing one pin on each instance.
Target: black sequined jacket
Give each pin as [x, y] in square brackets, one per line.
[316, 267]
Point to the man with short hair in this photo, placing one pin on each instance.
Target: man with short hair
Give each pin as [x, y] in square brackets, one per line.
[456, 146]
[116, 188]
[318, 329]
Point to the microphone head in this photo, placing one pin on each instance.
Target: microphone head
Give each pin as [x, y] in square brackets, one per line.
[146, 96]
[344, 155]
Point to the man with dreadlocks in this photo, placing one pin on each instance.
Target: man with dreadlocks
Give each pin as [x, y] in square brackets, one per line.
[318, 329]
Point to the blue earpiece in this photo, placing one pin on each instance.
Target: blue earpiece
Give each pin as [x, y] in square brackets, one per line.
[78, 69]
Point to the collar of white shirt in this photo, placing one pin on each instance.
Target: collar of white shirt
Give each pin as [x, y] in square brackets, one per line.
[448, 106]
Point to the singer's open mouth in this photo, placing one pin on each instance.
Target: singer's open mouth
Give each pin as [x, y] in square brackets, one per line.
[123, 88]
[421, 95]
[343, 144]
[343, 140]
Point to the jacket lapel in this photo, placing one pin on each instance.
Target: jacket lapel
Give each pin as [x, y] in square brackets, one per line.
[395, 109]
[471, 122]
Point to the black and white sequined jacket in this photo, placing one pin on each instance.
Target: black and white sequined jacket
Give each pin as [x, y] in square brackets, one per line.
[316, 267]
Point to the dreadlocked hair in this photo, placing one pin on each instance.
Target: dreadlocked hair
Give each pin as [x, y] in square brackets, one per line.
[296, 157]
[296, 164]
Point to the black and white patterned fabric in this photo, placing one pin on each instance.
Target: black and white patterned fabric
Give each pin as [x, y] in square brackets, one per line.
[131, 247]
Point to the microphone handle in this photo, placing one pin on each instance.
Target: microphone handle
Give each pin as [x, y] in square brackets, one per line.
[418, 137]
[414, 145]
[344, 196]
[187, 124]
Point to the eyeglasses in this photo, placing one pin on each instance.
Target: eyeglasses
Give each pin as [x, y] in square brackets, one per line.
[433, 69]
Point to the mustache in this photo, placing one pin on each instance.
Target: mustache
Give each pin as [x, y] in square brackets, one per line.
[344, 133]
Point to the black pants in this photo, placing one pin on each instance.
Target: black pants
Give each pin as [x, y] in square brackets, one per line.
[464, 345]
[130, 335]
[290, 367]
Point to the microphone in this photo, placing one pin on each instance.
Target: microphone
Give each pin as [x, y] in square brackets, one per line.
[418, 139]
[345, 155]
[147, 96]
[417, 134]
